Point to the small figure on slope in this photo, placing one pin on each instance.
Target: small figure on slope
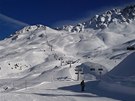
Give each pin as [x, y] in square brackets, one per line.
[82, 85]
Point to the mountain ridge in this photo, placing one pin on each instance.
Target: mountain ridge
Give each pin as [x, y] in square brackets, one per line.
[104, 20]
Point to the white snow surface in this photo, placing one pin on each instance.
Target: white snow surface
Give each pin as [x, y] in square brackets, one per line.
[122, 77]
[38, 63]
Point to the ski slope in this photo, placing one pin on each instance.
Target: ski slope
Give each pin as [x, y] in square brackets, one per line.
[39, 63]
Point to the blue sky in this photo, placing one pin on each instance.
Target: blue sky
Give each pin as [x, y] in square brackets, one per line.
[56, 12]
[53, 13]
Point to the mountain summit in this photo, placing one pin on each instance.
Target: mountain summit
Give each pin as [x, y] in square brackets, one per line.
[104, 20]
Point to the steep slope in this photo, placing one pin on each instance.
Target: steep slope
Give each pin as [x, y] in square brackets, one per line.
[122, 77]
[125, 68]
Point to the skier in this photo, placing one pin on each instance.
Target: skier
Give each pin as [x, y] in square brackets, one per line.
[82, 85]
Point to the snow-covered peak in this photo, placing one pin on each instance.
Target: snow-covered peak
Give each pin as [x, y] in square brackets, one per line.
[31, 28]
[66, 28]
[105, 19]
[32, 31]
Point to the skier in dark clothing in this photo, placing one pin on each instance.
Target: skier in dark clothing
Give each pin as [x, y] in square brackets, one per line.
[82, 85]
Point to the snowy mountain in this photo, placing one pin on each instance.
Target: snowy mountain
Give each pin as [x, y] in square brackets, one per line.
[102, 21]
[39, 57]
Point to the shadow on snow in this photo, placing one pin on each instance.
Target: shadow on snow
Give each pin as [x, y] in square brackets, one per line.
[92, 87]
